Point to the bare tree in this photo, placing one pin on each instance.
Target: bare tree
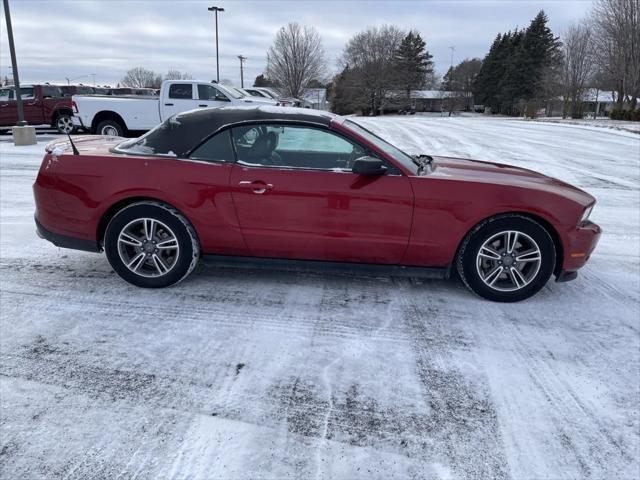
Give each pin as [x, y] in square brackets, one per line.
[577, 67]
[177, 75]
[295, 58]
[616, 26]
[141, 78]
[370, 54]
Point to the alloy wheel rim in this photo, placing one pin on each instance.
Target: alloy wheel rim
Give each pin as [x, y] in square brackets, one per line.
[65, 124]
[109, 131]
[148, 247]
[508, 261]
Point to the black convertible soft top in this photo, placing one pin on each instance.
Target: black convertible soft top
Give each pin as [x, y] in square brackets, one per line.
[181, 133]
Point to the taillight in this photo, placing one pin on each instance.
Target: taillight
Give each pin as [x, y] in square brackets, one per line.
[74, 106]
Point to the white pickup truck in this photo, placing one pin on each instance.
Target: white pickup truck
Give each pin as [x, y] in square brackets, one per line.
[117, 115]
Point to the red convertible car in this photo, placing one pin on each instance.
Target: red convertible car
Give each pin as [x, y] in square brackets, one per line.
[298, 189]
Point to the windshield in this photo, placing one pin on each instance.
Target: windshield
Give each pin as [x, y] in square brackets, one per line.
[230, 90]
[397, 154]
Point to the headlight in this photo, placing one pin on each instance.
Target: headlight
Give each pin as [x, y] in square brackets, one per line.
[586, 213]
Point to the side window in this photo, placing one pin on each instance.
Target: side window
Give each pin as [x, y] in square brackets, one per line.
[217, 149]
[4, 94]
[294, 147]
[51, 92]
[27, 93]
[181, 91]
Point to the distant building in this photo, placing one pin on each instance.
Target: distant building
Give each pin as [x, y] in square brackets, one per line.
[594, 103]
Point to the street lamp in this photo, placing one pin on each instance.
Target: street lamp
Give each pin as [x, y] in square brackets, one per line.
[216, 10]
[242, 59]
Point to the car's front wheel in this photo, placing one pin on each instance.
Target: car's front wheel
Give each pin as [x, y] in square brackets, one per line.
[507, 258]
[151, 245]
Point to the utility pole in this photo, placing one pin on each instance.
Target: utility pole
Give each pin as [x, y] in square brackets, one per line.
[14, 65]
[242, 59]
[216, 10]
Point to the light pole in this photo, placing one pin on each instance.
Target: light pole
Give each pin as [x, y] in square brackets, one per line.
[216, 10]
[242, 59]
[69, 80]
[14, 65]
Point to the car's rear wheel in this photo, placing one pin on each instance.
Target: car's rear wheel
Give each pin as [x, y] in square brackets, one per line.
[111, 128]
[507, 258]
[151, 245]
[64, 124]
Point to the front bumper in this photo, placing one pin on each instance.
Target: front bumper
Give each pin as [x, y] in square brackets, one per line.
[77, 121]
[578, 247]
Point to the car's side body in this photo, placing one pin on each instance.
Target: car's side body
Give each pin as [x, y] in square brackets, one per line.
[397, 219]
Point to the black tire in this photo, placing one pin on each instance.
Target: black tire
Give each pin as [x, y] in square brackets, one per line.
[63, 124]
[468, 266]
[188, 246]
[110, 127]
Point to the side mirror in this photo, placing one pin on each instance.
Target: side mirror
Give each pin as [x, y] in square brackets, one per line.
[222, 98]
[369, 166]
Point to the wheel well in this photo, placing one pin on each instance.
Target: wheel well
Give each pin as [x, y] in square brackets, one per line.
[116, 207]
[57, 113]
[557, 242]
[107, 115]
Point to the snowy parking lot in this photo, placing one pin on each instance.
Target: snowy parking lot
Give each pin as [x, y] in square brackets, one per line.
[238, 374]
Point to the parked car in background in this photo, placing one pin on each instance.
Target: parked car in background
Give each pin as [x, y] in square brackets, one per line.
[43, 105]
[252, 98]
[265, 92]
[70, 90]
[294, 188]
[118, 115]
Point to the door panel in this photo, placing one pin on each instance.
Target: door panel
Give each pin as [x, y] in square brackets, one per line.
[8, 107]
[32, 108]
[323, 215]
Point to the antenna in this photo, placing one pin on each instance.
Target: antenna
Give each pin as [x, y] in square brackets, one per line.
[73, 147]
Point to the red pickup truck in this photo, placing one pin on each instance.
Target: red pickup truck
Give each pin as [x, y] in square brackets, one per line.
[43, 105]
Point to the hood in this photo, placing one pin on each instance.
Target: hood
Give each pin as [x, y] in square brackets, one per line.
[84, 144]
[508, 175]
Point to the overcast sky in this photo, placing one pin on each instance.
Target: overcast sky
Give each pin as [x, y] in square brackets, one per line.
[59, 39]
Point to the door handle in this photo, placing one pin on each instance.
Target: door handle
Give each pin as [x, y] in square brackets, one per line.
[201, 105]
[258, 186]
[168, 104]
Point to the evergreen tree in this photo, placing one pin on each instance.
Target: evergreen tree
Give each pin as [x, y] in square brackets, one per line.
[485, 86]
[519, 69]
[346, 95]
[541, 52]
[413, 62]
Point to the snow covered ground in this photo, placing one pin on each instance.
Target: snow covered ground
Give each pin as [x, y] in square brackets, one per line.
[251, 374]
[604, 122]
